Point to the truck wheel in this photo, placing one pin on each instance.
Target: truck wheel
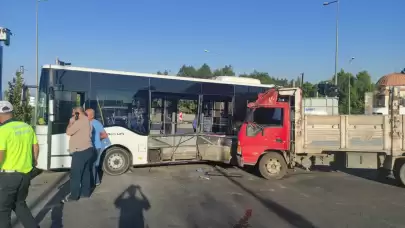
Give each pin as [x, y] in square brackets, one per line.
[399, 171]
[273, 166]
[116, 161]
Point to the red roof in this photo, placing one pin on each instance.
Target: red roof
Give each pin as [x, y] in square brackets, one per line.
[394, 79]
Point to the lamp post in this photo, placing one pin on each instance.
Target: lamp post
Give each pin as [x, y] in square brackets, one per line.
[36, 60]
[350, 85]
[337, 35]
[5, 34]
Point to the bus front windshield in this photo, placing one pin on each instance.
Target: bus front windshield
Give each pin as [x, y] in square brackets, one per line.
[42, 106]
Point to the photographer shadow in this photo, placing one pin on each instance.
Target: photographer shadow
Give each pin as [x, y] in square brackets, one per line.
[132, 207]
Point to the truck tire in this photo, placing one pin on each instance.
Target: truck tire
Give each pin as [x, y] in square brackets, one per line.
[116, 161]
[399, 171]
[272, 166]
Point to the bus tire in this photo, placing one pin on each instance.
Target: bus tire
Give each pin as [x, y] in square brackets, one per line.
[117, 161]
[399, 171]
[272, 166]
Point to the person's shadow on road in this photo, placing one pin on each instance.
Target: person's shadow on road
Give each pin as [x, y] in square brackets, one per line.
[55, 207]
[132, 207]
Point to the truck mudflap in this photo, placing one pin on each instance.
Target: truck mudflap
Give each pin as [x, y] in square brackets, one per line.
[239, 159]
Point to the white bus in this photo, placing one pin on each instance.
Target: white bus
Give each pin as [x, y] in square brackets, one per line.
[140, 112]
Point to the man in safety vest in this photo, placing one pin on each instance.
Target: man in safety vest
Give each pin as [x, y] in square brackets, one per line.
[18, 150]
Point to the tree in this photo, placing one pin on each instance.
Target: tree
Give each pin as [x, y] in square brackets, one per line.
[204, 71]
[187, 71]
[22, 110]
[263, 77]
[225, 71]
[309, 89]
[163, 73]
[403, 71]
[359, 85]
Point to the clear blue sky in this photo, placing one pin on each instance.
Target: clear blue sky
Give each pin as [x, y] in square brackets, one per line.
[282, 37]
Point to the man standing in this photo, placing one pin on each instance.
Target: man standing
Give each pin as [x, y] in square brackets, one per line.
[18, 149]
[81, 148]
[98, 134]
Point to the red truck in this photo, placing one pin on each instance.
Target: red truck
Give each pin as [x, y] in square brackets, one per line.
[276, 136]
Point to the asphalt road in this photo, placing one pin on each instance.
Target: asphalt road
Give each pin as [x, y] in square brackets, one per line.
[183, 196]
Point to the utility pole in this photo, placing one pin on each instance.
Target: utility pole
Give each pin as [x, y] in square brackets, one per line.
[1, 72]
[36, 62]
[337, 35]
[350, 85]
[4, 37]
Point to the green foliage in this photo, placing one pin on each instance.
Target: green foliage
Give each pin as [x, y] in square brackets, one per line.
[225, 71]
[187, 71]
[163, 73]
[309, 89]
[359, 85]
[204, 71]
[265, 78]
[22, 110]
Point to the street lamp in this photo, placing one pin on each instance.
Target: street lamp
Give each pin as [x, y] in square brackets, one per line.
[36, 61]
[350, 85]
[337, 34]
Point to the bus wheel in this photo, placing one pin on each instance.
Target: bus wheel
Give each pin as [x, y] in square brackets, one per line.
[272, 165]
[116, 161]
[399, 171]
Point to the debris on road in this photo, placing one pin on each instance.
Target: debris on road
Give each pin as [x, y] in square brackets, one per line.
[205, 177]
[217, 171]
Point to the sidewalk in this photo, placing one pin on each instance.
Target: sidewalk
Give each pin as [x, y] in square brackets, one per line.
[43, 188]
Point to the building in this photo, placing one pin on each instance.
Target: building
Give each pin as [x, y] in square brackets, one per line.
[381, 95]
[32, 101]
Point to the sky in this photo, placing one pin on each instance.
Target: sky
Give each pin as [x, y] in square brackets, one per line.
[281, 37]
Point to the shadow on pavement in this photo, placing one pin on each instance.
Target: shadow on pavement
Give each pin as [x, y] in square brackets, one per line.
[55, 206]
[289, 216]
[339, 164]
[44, 194]
[371, 174]
[35, 172]
[132, 207]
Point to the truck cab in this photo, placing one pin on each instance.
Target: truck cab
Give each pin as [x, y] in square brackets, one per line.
[267, 137]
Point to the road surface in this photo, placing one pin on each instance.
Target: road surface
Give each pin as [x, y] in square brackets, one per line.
[183, 196]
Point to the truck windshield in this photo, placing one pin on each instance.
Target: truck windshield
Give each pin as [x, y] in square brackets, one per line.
[266, 116]
[42, 106]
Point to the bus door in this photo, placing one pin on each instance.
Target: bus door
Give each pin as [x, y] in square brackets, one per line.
[60, 111]
[65, 101]
[163, 114]
[165, 109]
